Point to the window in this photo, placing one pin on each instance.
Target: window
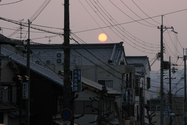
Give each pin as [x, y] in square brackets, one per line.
[137, 89]
[129, 78]
[107, 83]
[137, 83]
[148, 82]
[5, 94]
[8, 93]
[59, 103]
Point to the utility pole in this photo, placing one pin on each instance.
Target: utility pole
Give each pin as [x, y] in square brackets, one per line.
[169, 93]
[170, 101]
[184, 88]
[161, 71]
[0, 64]
[185, 112]
[67, 98]
[161, 74]
[28, 74]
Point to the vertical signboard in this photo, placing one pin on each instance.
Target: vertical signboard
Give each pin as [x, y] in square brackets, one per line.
[76, 80]
[25, 90]
[167, 111]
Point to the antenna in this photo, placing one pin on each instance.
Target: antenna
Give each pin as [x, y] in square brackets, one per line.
[49, 38]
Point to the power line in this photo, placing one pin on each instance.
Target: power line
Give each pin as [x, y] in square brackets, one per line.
[94, 19]
[102, 8]
[39, 10]
[128, 15]
[131, 21]
[25, 25]
[144, 12]
[134, 46]
[173, 43]
[11, 3]
[135, 13]
[36, 14]
[178, 40]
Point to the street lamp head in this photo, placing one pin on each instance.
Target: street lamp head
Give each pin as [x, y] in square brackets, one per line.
[174, 31]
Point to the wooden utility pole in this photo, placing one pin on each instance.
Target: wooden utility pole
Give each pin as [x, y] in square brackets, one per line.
[161, 71]
[185, 90]
[67, 92]
[185, 108]
[28, 74]
[67, 84]
[170, 101]
[161, 75]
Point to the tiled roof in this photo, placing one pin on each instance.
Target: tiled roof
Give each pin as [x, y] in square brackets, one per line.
[83, 54]
[5, 40]
[98, 86]
[138, 60]
[49, 74]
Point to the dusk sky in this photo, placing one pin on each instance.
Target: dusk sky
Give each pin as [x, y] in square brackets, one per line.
[133, 22]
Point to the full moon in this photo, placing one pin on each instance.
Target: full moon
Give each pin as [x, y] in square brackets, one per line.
[102, 37]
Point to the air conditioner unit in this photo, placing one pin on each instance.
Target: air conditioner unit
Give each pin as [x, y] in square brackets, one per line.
[59, 54]
[37, 62]
[59, 61]
[48, 61]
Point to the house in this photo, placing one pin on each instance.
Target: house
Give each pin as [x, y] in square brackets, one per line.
[102, 63]
[46, 91]
[81, 54]
[8, 90]
[142, 85]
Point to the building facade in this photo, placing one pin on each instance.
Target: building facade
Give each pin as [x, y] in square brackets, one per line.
[142, 85]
